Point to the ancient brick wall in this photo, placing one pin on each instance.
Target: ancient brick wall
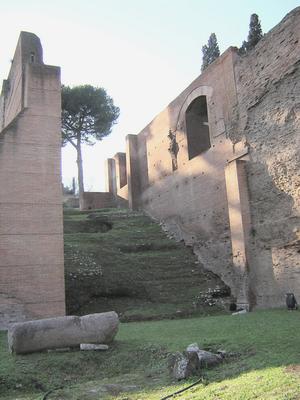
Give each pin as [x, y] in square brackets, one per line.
[31, 232]
[116, 181]
[237, 201]
[191, 201]
[268, 87]
[94, 200]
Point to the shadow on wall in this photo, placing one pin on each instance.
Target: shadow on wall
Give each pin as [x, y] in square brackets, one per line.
[268, 282]
[191, 201]
[273, 228]
[272, 132]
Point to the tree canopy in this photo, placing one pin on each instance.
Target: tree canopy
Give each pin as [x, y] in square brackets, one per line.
[88, 115]
[254, 35]
[210, 51]
[255, 31]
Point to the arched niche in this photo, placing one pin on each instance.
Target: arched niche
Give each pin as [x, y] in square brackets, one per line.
[197, 127]
[193, 123]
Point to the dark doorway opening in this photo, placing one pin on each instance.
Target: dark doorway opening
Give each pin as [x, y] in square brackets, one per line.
[197, 128]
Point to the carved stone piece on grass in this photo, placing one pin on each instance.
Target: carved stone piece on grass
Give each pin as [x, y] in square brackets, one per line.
[207, 359]
[54, 333]
[183, 365]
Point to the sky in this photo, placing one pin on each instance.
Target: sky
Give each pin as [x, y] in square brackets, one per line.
[143, 52]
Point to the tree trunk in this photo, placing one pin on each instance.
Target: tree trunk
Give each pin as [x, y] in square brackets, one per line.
[80, 174]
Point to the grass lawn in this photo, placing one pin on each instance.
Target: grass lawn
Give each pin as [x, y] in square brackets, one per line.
[123, 261]
[266, 364]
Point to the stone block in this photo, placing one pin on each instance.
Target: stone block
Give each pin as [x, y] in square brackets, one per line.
[91, 347]
[207, 359]
[183, 365]
[61, 332]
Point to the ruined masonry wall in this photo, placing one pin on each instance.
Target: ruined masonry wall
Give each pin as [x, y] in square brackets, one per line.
[268, 87]
[191, 201]
[94, 200]
[237, 204]
[31, 231]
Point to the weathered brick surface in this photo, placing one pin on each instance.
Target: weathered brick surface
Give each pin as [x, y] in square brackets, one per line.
[31, 232]
[39, 277]
[254, 115]
[46, 308]
[191, 201]
[268, 86]
[31, 159]
[38, 219]
[31, 126]
[30, 249]
[94, 200]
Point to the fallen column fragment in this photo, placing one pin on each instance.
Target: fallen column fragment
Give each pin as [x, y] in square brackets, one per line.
[54, 333]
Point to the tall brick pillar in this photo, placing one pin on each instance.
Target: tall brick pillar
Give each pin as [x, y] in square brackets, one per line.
[240, 225]
[110, 176]
[31, 229]
[133, 178]
[121, 173]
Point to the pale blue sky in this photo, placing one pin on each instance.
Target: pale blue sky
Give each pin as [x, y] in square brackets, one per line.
[143, 52]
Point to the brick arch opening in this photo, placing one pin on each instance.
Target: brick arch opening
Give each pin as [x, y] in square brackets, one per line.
[197, 127]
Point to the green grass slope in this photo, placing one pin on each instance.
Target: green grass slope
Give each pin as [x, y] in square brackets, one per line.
[118, 260]
[266, 365]
[123, 261]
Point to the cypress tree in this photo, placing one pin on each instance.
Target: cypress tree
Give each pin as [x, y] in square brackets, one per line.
[255, 31]
[254, 35]
[210, 51]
